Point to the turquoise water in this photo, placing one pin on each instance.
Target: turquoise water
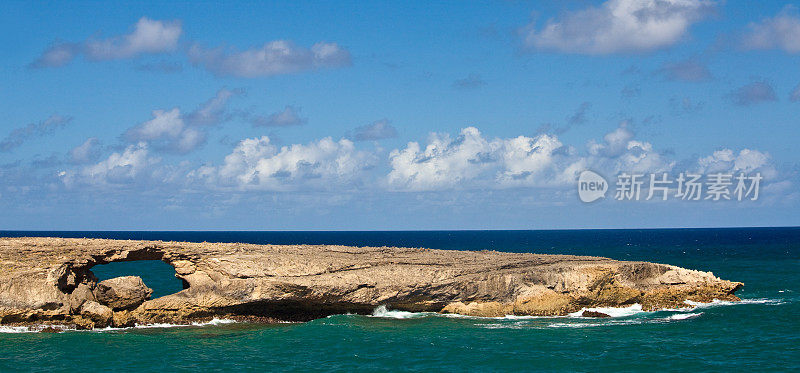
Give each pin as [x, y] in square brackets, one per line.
[762, 333]
[156, 274]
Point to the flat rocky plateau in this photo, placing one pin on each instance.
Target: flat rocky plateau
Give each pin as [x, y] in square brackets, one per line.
[47, 281]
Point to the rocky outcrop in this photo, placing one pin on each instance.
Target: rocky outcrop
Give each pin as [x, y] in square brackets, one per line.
[122, 293]
[595, 314]
[49, 280]
[99, 315]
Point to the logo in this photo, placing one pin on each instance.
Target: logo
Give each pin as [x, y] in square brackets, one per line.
[591, 186]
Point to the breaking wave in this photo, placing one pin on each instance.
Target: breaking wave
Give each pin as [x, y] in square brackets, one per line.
[63, 328]
[631, 315]
[717, 302]
[618, 316]
[683, 316]
[631, 310]
[384, 312]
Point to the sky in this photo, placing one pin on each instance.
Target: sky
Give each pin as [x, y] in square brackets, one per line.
[394, 115]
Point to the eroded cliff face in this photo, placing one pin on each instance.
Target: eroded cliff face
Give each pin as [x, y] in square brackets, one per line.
[49, 280]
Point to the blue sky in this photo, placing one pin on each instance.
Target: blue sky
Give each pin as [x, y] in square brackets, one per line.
[391, 115]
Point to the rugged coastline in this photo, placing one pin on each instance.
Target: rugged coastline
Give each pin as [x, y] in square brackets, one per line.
[47, 281]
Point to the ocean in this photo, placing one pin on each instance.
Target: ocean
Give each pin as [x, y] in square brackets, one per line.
[760, 333]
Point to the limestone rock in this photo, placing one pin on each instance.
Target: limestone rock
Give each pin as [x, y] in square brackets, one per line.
[46, 280]
[79, 296]
[122, 293]
[97, 313]
[123, 319]
[596, 314]
[50, 329]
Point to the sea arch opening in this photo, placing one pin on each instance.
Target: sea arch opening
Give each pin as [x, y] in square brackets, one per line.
[156, 274]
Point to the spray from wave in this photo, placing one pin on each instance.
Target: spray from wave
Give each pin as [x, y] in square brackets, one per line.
[631, 310]
[383, 312]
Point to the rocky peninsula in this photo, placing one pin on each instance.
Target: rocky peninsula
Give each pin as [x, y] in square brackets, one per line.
[49, 281]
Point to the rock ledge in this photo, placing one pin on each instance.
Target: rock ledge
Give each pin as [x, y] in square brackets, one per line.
[49, 281]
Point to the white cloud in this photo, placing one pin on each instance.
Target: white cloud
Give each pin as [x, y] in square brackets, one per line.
[273, 58]
[779, 32]
[57, 55]
[147, 37]
[165, 124]
[444, 163]
[85, 152]
[541, 160]
[621, 152]
[169, 130]
[213, 111]
[257, 164]
[471, 161]
[746, 160]
[119, 168]
[618, 26]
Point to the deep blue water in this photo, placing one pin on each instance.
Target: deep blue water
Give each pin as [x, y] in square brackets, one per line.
[762, 333]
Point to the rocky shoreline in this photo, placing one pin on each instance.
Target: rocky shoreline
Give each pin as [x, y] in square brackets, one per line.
[48, 281]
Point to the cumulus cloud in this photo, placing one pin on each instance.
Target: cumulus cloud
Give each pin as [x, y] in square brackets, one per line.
[618, 26]
[746, 160]
[147, 37]
[443, 163]
[471, 81]
[779, 32]
[467, 161]
[86, 152]
[18, 136]
[289, 116]
[164, 124]
[257, 164]
[378, 130]
[536, 161]
[119, 168]
[620, 151]
[470, 160]
[273, 58]
[753, 93]
[689, 70]
[169, 130]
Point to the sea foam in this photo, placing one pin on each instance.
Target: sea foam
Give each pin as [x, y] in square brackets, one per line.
[683, 316]
[631, 310]
[38, 328]
[717, 302]
[384, 312]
